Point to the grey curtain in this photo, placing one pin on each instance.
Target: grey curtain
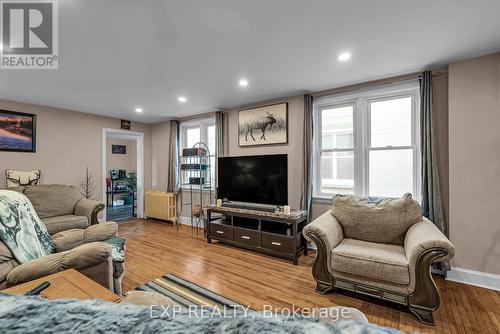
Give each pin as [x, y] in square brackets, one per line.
[306, 197]
[173, 159]
[219, 140]
[432, 206]
[431, 195]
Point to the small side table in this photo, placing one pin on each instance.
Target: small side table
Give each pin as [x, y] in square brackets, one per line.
[66, 284]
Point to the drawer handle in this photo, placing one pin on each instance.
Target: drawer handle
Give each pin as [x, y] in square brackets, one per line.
[245, 237]
[276, 243]
[220, 232]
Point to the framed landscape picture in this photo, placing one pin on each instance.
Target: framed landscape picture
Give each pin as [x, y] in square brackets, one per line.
[266, 125]
[17, 131]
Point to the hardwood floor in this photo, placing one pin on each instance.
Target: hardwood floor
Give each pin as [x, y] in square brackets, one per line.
[157, 248]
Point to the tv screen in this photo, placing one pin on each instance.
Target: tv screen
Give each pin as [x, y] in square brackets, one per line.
[259, 179]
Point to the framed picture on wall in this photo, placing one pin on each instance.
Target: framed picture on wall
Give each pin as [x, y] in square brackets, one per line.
[17, 131]
[266, 125]
[118, 149]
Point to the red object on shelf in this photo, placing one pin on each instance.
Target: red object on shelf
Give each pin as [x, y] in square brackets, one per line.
[108, 184]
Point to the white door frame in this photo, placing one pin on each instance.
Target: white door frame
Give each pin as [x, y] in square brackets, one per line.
[126, 135]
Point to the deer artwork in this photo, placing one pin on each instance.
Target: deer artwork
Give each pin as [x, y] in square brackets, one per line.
[261, 123]
[29, 182]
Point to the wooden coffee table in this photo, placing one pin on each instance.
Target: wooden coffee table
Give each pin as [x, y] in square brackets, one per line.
[66, 284]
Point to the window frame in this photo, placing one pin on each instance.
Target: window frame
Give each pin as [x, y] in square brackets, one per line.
[319, 138]
[203, 124]
[361, 101]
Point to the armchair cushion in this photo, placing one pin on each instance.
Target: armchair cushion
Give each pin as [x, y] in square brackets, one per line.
[7, 263]
[385, 222]
[53, 200]
[421, 237]
[78, 258]
[378, 261]
[70, 239]
[63, 223]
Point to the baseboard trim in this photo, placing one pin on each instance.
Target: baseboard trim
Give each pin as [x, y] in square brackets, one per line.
[473, 277]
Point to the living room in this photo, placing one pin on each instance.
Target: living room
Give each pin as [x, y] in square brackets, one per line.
[263, 157]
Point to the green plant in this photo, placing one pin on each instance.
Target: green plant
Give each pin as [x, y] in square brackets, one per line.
[132, 182]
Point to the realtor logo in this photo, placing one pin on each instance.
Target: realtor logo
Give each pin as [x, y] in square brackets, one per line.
[29, 34]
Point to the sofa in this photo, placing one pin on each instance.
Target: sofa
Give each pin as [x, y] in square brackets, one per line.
[80, 249]
[62, 207]
[381, 249]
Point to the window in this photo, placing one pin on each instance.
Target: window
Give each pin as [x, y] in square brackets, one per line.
[368, 143]
[195, 131]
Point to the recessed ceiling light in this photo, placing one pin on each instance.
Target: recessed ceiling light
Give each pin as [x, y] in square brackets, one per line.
[243, 82]
[182, 99]
[344, 56]
[139, 110]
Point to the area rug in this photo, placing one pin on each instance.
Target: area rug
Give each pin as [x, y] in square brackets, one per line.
[186, 293]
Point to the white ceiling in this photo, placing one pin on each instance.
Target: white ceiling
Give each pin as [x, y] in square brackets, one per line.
[116, 55]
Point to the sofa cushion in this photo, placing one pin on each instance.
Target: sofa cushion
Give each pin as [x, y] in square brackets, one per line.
[379, 261]
[53, 200]
[66, 222]
[386, 221]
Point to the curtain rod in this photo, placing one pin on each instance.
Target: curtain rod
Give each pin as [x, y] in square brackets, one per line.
[379, 82]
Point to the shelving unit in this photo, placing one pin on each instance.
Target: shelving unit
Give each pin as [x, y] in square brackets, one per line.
[196, 170]
[111, 193]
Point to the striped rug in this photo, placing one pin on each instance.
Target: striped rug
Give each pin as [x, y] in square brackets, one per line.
[186, 293]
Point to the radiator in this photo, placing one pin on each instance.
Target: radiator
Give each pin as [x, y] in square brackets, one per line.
[161, 205]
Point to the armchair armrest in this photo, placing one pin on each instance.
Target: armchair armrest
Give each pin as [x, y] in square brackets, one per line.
[421, 239]
[90, 209]
[81, 257]
[70, 239]
[326, 232]
[424, 236]
[327, 228]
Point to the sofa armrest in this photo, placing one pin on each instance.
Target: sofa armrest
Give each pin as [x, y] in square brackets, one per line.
[421, 238]
[70, 239]
[326, 232]
[90, 209]
[81, 257]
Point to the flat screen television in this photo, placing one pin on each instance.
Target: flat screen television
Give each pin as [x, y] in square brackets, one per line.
[261, 179]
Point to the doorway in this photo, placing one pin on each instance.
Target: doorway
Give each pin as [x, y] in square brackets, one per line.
[123, 174]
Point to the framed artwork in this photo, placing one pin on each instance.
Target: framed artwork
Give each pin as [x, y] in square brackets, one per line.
[266, 125]
[118, 149]
[124, 124]
[17, 131]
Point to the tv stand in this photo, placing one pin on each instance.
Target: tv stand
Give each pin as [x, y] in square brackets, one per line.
[271, 233]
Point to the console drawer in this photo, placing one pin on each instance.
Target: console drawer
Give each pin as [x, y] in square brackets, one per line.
[246, 236]
[277, 242]
[219, 231]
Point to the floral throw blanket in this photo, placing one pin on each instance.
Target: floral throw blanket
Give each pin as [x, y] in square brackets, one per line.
[20, 228]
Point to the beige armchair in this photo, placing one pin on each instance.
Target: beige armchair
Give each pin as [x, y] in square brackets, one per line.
[61, 207]
[80, 249]
[382, 250]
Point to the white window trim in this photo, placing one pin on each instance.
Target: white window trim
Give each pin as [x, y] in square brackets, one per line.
[361, 99]
[203, 124]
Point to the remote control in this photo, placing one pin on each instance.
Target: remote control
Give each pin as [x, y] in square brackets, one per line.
[35, 291]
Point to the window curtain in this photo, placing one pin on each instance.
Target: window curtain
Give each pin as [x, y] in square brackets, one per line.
[432, 207]
[219, 140]
[307, 184]
[173, 159]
